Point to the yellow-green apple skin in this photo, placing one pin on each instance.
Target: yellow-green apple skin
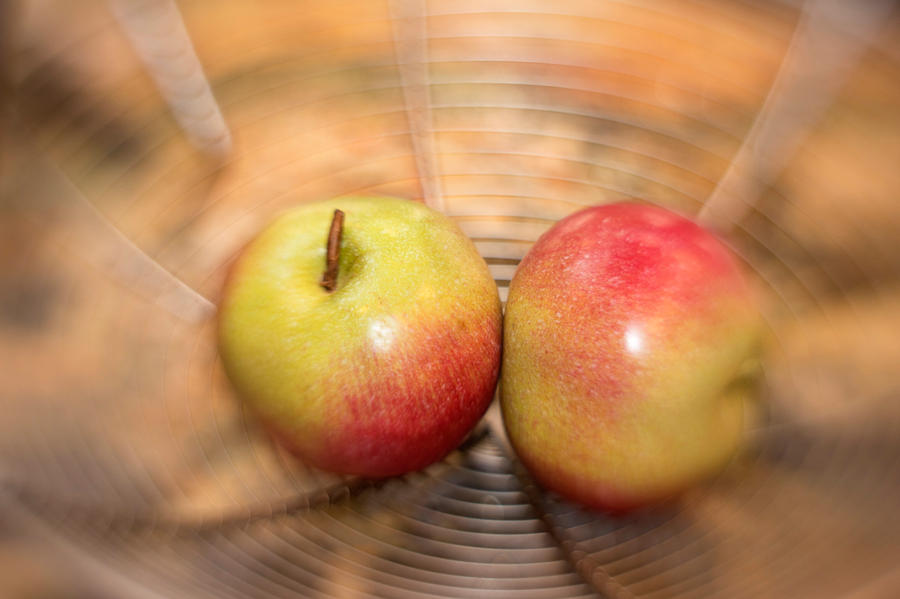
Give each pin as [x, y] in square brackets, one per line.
[626, 327]
[387, 373]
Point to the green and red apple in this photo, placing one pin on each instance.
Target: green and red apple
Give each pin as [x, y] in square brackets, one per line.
[387, 372]
[627, 334]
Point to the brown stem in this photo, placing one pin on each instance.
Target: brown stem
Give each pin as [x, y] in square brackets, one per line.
[333, 252]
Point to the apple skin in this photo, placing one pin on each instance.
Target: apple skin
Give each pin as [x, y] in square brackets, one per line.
[626, 336]
[391, 370]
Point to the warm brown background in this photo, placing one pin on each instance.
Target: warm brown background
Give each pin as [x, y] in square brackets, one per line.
[114, 404]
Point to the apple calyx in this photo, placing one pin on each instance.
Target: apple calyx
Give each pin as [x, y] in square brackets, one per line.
[333, 252]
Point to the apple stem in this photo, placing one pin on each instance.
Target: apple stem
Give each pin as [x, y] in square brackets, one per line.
[333, 252]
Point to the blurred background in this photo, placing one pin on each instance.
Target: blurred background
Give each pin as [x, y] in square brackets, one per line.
[143, 142]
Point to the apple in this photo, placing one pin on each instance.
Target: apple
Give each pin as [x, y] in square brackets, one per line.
[627, 337]
[387, 371]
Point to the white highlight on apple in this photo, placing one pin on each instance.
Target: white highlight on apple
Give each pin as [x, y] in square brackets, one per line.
[634, 340]
[382, 332]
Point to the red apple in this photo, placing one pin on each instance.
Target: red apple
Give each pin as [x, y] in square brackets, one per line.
[626, 335]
